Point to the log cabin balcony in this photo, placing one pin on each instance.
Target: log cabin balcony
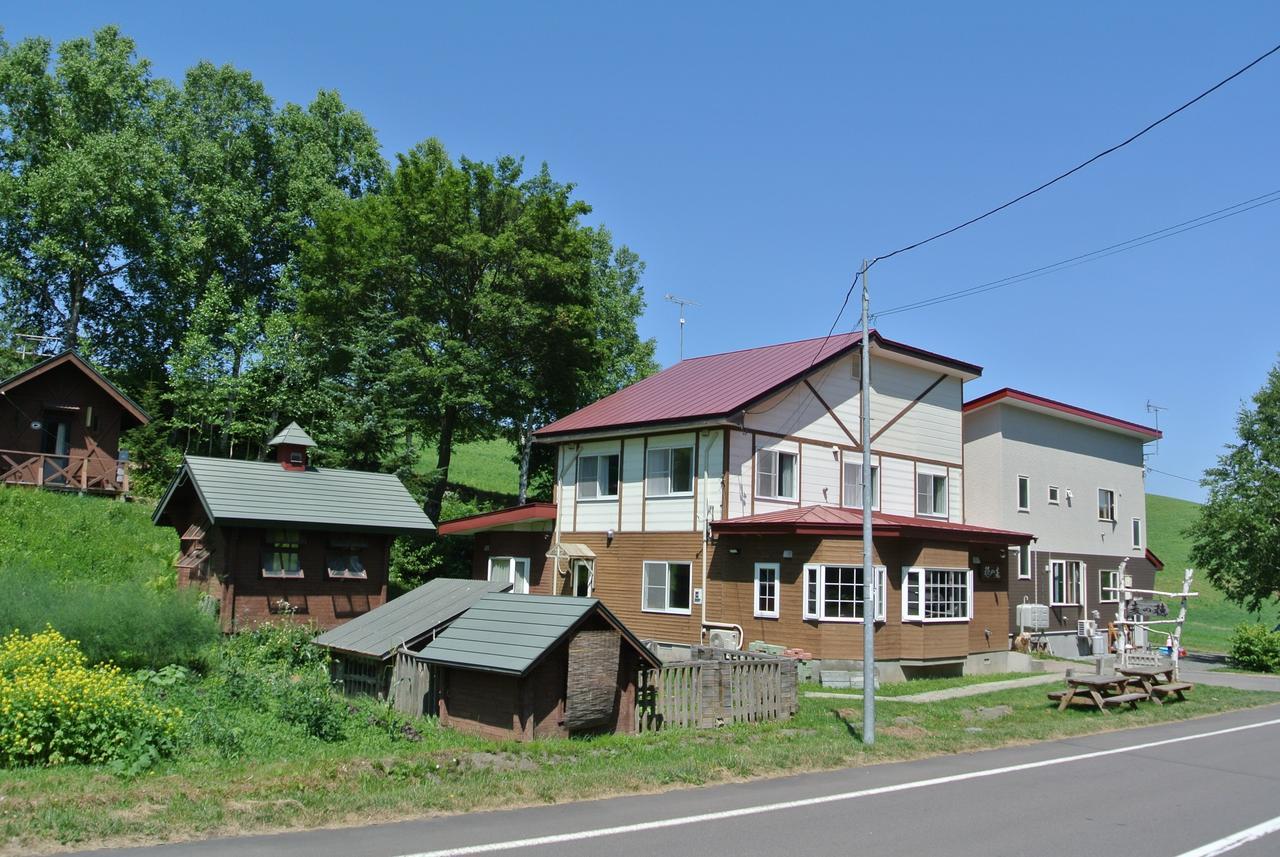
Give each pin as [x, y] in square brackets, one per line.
[97, 474]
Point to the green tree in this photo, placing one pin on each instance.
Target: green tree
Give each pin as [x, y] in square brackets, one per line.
[1236, 539]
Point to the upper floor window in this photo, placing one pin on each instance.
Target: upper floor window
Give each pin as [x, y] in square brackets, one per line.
[834, 593]
[1023, 556]
[1106, 505]
[937, 594]
[598, 477]
[1137, 532]
[853, 485]
[282, 554]
[776, 474]
[1054, 495]
[346, 560]
[669, 471]
[1024, 494]
[931, 494]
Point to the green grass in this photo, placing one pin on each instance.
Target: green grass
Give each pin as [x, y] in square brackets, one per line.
[485, 465]
[296, 782]
[1210, 616]
[924, 685]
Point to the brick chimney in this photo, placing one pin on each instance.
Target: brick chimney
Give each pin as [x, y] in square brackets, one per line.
[292, 445]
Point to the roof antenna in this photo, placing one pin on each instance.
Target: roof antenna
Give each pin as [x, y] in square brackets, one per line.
[1155, 409]
[684, 302]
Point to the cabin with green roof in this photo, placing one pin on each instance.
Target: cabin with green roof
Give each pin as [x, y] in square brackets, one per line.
[284, 538]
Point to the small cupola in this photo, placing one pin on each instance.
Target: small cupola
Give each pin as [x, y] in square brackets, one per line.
[291, 446]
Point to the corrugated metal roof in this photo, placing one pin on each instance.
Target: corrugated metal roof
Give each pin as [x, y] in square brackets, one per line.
[509, 633]
[836, 519]
[262, 492]
[406, 619]
[501, 518]
[720, 385]
[292, 434]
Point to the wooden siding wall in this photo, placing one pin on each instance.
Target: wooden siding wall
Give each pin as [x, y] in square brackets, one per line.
[480, 703]
[533, 546]
[1036, 590]
[66, 390]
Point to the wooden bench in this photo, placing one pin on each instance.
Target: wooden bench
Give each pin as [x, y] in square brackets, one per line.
[1159, 691]
[1121, 698]
[1056, 695]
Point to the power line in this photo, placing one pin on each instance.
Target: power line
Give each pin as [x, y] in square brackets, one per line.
[1091, 256]
[836, 320]
[1174, 475]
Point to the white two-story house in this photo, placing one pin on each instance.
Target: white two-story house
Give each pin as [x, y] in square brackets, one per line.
[723, 497]
[1073, 478]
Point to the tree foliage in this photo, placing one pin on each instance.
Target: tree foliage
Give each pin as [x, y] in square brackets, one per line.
[1236, 539]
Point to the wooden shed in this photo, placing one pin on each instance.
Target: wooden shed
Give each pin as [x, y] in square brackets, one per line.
[537, 666]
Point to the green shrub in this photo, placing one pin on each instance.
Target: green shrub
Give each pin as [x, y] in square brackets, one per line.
[55, 708]
[1255, 647]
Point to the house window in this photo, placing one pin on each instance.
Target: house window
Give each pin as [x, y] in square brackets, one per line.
[833, 593]
[1066, 583]
[1022, 556]
[583, 578]
[345, 560]
[667, 587]
[1054, 495]
[669, 471]
[853, 485]
[1106, 505]
[766, 599]
[281, 556]
[1024, 494]
[776, 474]
[1137, 532]
[510, 569]
[937, 594]
[931, 494]
[598, 477]
[1109, 585]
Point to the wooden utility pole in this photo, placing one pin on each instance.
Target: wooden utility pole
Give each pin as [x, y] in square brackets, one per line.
[868, 565]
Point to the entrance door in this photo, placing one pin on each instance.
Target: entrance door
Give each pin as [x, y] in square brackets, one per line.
[55, 443]
[583, 584]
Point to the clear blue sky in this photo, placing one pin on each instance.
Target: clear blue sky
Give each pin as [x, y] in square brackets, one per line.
[753, 154]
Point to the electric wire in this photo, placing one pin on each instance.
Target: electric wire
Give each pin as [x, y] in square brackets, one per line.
[1151, 469]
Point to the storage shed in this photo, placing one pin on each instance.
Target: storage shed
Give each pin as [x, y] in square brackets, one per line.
[537, 666]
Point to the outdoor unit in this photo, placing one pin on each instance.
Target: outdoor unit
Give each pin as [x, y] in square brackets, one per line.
[723, 638]
[1085, 627]
[1033, 617]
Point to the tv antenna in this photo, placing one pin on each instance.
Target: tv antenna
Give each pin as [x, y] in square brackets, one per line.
[1156, 409]
[683, 302]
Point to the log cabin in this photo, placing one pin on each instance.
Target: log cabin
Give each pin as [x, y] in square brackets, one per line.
[61, 423]
[284, 538]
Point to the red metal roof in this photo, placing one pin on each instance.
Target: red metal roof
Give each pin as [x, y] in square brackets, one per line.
[720, 385]
[1154, 560]
[1008, 393]
[835, 520]
[500, 518]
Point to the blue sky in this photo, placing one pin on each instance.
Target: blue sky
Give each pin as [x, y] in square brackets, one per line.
[753, 154]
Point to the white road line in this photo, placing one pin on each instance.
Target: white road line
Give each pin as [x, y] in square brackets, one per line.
[1235, 840]
[578, 836]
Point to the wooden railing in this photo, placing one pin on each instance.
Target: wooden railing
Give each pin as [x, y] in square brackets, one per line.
[717, 687]
[65, 472]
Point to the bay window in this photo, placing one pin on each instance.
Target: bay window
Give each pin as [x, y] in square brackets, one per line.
[834, 593]
[937, 594]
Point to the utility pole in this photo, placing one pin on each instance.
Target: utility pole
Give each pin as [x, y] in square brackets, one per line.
[683, 302]
[868, 566]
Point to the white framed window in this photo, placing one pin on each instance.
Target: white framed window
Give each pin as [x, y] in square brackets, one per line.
[1066, 583]
[937, 594]
[598, 477]
[510, 569]
[931, 494]
[1106, 505]
[345, 559]
[776, 473]
[1024, 493]
[583, 578]
[833, 593]
[669, 471]
[1055, 495]
[1022, 556]
[1136, 532]
[1109, 585]
[766, 593]
[667, 587]
[853, 485]
[282, 554]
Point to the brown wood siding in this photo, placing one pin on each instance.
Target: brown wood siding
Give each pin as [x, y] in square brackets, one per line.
[533, 546]
[1036, 590]
[480, 703]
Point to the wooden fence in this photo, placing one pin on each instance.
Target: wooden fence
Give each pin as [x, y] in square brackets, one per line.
[413, 685]
[716, 687]
[68, 472]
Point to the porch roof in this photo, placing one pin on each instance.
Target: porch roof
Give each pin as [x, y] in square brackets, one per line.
[527, 514]
[835, 520]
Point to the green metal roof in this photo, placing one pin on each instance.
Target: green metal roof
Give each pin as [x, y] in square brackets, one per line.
[264, 493]
[509, 633]
[407, 619]
[292, 434]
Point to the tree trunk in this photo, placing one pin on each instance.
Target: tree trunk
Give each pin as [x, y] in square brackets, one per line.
[74, 301]
[526, 452]
[435, 493]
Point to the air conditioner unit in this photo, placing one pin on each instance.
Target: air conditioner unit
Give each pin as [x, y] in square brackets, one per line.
[724, 638]
[1086, 627]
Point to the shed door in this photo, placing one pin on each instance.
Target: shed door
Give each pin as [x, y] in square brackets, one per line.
[55, 443]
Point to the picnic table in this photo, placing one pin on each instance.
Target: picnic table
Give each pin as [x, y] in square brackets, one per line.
[1157, 682]
[1098, 691]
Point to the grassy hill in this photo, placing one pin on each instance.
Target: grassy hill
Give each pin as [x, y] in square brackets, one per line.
[485, 465]
[1210, 617]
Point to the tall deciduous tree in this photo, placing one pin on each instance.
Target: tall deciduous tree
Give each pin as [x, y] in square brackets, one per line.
[1236, 539]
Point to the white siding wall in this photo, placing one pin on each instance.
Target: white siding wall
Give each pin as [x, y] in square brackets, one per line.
[710, 476]
[632, 484]
[897, 486]
[819, 475]
[568, 485]
[741, 474]
[669, 514]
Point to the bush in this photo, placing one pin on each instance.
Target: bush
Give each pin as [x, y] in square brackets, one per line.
[128, 622]
[55, 708]
[1255, 647]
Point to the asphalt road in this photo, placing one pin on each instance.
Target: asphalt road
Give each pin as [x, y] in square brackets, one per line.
[1163, 790]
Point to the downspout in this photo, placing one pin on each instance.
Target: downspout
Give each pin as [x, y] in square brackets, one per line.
[706, 547]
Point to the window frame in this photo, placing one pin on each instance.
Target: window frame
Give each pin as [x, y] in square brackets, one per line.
[1023, 561]
[669, 452]
[272, 545]
[1135, 533]
[516, 582]
[814, 594]
[946, 495]
[914, 610]
[1111, 508]
[578, 565]
[775, 571]
[596, 480]
[350, 548]
[776, 474]
[1054, 495]
[846, 482]
[1066, 577]
[1114, 588]
[666, 585]
[1024, 493]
